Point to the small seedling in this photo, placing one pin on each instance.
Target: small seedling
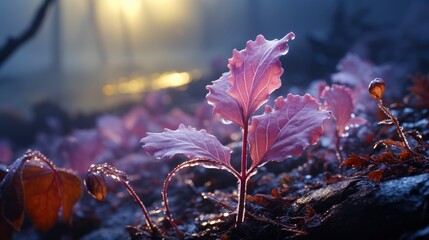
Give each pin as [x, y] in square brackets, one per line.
[376, 89]
[95, 182]
[282, 131]
[339, 101]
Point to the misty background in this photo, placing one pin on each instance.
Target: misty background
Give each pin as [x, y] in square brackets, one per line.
[91, 55]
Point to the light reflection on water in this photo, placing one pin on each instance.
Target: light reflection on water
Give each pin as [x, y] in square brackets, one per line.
[140, 84]
[87, 91]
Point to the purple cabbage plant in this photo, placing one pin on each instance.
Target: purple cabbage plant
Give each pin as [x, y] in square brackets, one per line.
[282, 131]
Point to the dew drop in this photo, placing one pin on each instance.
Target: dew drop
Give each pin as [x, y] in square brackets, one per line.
[226, 121]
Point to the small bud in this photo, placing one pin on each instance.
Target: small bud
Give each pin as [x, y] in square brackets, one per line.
[96, 185]
[376, 88]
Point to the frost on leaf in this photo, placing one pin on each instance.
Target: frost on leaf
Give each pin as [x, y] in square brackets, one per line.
[187, 141]
[285, 131]
[254, 74]
[339, 101]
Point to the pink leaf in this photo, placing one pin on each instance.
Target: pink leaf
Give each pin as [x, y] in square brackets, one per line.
[187, 141]
[285, 131]
[357, 73]
[354, 71]
[81, 149]
[339, 101]
[207, 120]
[135, 121]
[225, 106]
[254, 74]
[112, 131]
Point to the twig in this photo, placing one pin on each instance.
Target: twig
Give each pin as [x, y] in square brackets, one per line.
[13, 43]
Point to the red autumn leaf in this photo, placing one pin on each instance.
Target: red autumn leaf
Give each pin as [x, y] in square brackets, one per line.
[35, 185]
[356, 161]
[189, 142]
[285, 131]
[376, 175]
[41, 195]
[275, 192]
[331, 179]
[46, 191]
[71, 191]
[339, 101]
[254, 74]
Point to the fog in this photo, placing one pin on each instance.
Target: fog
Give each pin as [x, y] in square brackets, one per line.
[86, 47]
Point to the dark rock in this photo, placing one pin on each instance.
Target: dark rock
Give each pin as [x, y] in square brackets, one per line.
[366, 210]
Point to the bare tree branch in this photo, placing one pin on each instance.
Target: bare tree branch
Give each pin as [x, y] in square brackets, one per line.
[13, 43]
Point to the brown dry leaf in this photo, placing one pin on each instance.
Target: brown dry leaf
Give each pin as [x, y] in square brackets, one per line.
[389, 142]
[71, 191]
[404, 155]
[41, 194]
[356, 161]
[275, 192]
[46, 191]
[376, 175]
[32, 183]
[260, 199]
[331, 179]
[386, 158]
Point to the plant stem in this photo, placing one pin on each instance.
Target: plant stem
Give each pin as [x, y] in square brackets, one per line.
[140, 203]
[190, 163]
[398, 127]
[242, 183]
[136, 198]
[338, 149]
